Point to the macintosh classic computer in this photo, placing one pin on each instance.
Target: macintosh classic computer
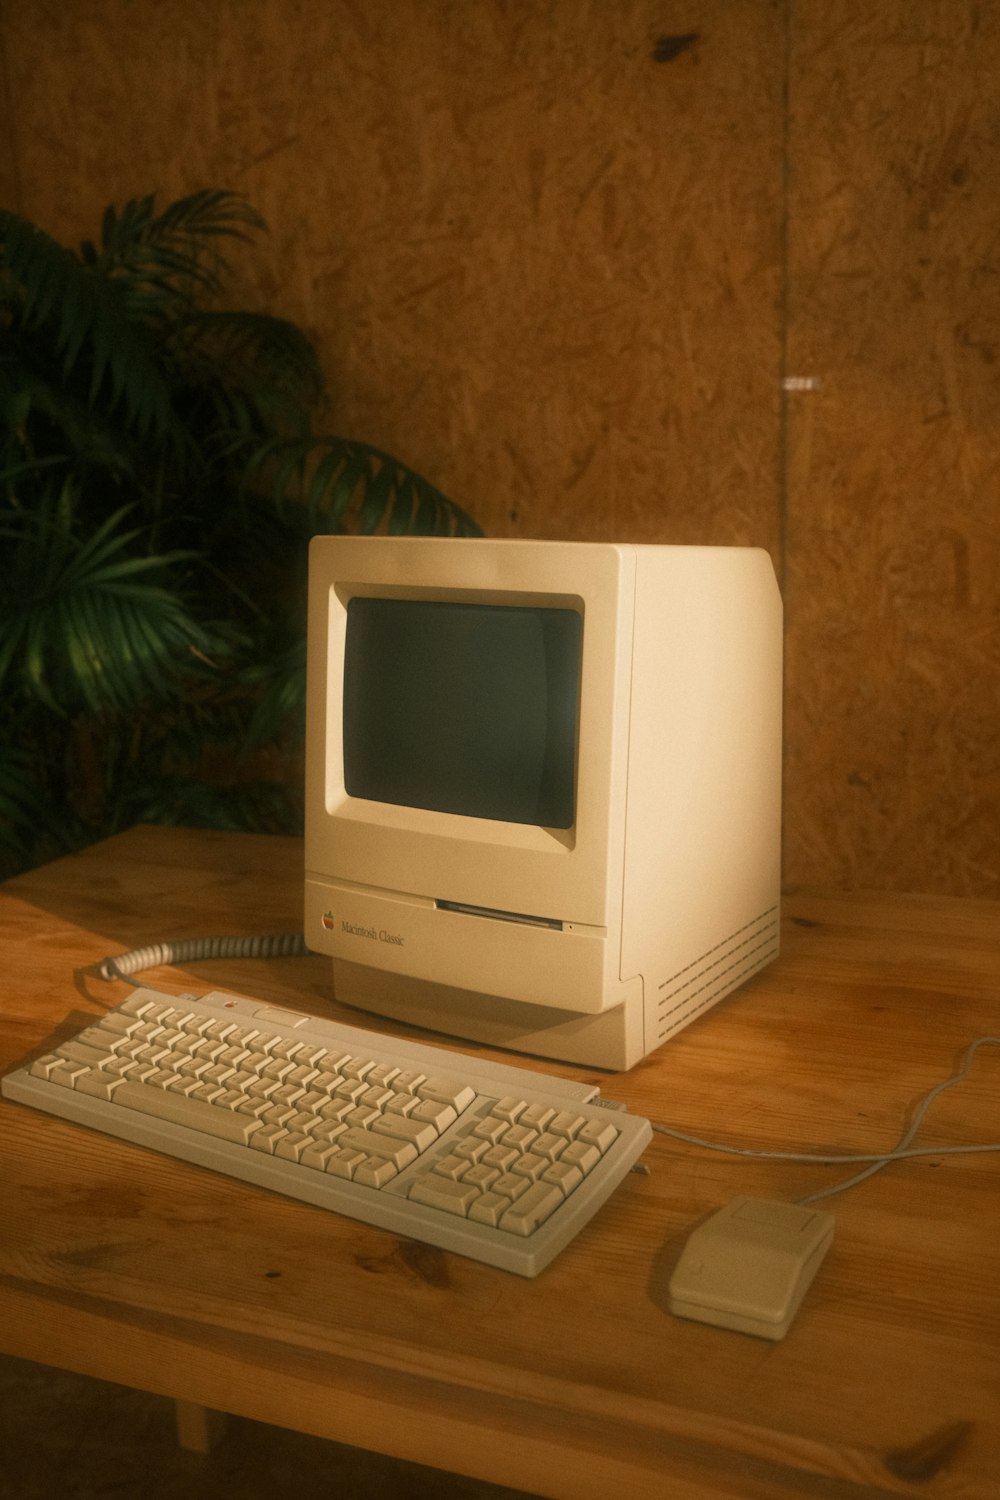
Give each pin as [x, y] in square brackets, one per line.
[543, 785]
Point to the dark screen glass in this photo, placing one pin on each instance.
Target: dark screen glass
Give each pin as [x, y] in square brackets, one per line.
[463, 708]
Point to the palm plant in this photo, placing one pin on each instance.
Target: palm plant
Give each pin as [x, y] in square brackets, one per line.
[159, 480]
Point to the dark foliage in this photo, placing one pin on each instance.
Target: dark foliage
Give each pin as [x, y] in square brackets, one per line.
[159, 481]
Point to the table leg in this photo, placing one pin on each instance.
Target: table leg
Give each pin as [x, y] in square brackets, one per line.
[198, 1427]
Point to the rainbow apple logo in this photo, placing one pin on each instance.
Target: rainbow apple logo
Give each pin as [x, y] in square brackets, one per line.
[328, 922]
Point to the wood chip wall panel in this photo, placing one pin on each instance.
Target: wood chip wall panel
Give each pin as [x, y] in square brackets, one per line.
[893, 501]
[561, 257]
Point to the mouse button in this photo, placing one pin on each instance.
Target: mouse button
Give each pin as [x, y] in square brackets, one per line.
[735, 1267]
[784, 1221]
[767, 1211]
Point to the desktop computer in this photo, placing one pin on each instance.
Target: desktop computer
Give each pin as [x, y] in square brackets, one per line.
[543, 785]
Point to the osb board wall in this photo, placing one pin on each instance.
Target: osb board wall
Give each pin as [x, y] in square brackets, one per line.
[893, 509]
[563, 256]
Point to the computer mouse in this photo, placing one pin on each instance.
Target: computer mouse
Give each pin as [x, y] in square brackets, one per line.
[749, 1266]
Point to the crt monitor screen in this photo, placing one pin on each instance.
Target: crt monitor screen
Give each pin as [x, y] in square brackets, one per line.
[463, 708]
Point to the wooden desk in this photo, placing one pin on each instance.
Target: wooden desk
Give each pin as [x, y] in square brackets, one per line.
[122, 1264]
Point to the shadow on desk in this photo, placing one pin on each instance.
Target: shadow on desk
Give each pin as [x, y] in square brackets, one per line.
[114, 1441]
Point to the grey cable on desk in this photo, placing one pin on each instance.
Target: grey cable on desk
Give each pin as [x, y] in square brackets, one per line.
[900, 1150]
[187, 950]
[877, 1159]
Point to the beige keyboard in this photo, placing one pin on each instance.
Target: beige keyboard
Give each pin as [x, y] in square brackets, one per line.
[488, 1160]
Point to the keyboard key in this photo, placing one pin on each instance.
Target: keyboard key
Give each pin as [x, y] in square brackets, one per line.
[407, 1081]
[218, 1030]
[292, 1145]
[97, 1036]
[310, 1055]
[511, 1186]
[579, 1155]
[350, 1088]
[223, 1124]
[531, 1166]
[599, 1133]
[492, 1129]
[137, 1004]
[536, 1116]
[549, 1145]
[382, 1074]
[508, 1108]
[400, 1153]
[325, 1083]
[532, 1208]
[401, 1104]
[453, 1166]
[277, 1069]
[502, 1157]
[317, 1155]
[287, 1050]
[343, 1163]
[447, 1091]
[336, 1109]
[44, 1067]
[122, 1025]
[416, 1132]
[441, 1192]
[231, 1099]
[481, 1176]
[75, 1052]
[567, 1124]
[374, 1171]
[566, 1178]
[275, 1015]
[489, 1208]
[361, 1116]
[267, 1135]
[98, 1084]
[436, 1114]
[471, 1149]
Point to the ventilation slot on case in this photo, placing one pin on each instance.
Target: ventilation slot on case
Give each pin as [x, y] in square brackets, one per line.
[715, 973]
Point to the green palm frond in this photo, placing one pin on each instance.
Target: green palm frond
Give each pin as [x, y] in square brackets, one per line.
[87, 623]
[174, 254]
[88, 436]
[280, 696]
[351, 486]
[260, 373]
[64, 313]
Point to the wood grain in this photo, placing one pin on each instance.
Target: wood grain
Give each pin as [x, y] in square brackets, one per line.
[120, 1263]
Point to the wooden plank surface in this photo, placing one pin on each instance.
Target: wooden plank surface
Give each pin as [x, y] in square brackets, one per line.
[123, 1264]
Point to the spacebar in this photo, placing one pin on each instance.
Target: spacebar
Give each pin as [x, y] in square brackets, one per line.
[223, 1124]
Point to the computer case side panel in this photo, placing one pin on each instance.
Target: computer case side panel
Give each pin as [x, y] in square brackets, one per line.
[701, 895]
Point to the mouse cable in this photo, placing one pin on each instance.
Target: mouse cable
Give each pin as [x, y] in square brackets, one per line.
[188, 950]
[878, 1160]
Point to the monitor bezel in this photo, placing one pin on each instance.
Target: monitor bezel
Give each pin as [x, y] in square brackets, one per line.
[565, 874]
